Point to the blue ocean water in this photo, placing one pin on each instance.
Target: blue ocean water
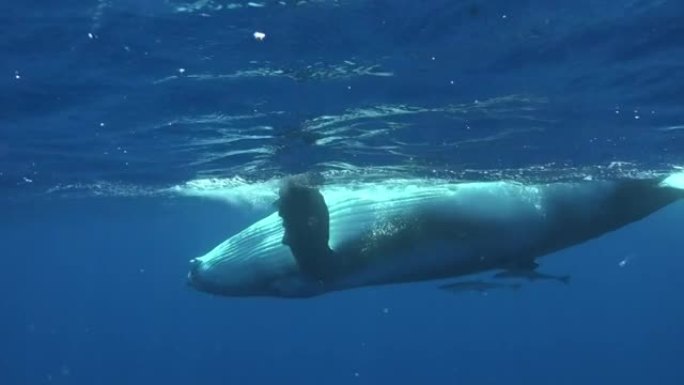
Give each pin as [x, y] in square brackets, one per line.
[136, 135]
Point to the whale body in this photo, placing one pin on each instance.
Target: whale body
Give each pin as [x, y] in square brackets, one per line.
[400, 233]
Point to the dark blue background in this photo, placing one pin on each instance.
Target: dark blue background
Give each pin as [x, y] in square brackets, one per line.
[94, 128]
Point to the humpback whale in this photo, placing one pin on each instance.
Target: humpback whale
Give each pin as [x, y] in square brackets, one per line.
[338, 238]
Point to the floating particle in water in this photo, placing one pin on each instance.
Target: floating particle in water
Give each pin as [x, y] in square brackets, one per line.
[90, 35]
[16, 75]
[181, 71]
[259, 36]
[385, 310]
[27, 180]
[356, 374]
[625, 261]
[504, 16]
[102, 124]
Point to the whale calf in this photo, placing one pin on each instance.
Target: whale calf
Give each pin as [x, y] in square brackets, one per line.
[392, 233]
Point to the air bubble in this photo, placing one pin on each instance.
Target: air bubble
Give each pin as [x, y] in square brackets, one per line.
[259, 36]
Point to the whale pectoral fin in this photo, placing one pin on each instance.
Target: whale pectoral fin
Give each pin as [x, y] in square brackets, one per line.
[306, 223]
[319, 266]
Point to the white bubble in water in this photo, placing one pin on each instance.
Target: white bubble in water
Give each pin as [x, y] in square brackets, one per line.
[259, 36]
[625, 261]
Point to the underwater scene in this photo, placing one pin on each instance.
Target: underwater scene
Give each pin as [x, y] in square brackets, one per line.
[342, 192]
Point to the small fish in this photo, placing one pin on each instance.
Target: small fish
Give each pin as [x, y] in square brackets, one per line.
[533, 275]
[478, 286]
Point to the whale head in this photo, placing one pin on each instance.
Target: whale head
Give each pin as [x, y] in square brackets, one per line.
[253, 262]
[256, 262]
